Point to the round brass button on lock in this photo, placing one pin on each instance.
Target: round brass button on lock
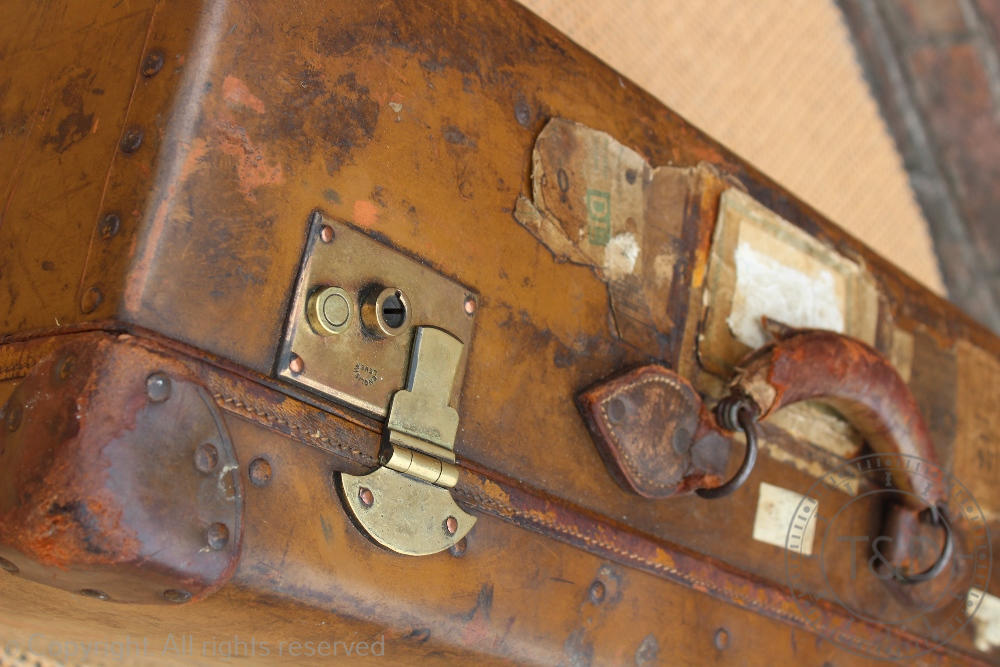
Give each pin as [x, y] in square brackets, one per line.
[329, 311]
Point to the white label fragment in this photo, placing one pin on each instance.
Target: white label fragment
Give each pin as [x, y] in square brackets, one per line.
[986, 621]
[776, 509]
[767, 287]
[620, 255]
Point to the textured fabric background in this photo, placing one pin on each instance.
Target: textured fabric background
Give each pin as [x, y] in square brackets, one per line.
[777, 82]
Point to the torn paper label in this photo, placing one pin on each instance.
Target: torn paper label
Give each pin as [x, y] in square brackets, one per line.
[598, 203]
[764, 266]
[767, 288]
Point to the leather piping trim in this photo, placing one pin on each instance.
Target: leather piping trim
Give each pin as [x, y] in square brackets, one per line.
[506, 499]
[272, 421]
[485, 491]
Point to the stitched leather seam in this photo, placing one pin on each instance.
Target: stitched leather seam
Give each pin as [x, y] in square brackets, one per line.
[696, 583]
[16, 371]
[237, 406]
[573, 532]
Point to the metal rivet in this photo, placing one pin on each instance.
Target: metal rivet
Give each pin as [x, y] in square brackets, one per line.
[470, 305]
[110, 224]
[91, 299]
[206, 457]
[597, 592]
[8, 566]
[97, 595]
[131, 140]
[176, 596]
[260, 472]
[721, 639]
[522, 113]
[152, 64]
[451, 525]
[326, 233]
[158, 387]
[296, 365]
[366, 497]
[218, 536]
[14, 414]
[616, 410]
[459, 548]
[65, 367]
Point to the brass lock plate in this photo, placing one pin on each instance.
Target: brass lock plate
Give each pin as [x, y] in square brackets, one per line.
[356, 305]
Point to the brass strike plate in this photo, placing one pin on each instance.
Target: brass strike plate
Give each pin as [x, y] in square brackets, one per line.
[404, 515]
[357, 303]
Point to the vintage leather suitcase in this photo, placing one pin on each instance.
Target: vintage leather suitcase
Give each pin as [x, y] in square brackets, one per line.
[296, 290]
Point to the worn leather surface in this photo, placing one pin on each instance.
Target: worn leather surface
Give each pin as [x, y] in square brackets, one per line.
[308, 575]
[384, 115]
[111, 491]
[654, 433]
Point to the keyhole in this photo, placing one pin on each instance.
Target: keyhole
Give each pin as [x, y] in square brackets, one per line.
[394, 310]
[388, 314]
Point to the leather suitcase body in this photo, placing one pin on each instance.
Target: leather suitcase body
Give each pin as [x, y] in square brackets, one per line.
[189, 419]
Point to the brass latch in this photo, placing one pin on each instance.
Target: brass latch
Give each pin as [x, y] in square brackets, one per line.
[386, 334]
[406, 505]
[422, 425]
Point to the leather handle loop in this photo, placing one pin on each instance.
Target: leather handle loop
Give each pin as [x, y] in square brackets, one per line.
[658, 439]
[863, 387]
[859, 383]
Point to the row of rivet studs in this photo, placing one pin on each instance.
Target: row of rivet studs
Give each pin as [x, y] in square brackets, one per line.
[110, 223]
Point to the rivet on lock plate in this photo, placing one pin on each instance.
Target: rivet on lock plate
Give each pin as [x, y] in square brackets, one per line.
[385, 334]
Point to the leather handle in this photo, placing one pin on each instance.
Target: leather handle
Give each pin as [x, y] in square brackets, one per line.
[859, 383]
[657, 439]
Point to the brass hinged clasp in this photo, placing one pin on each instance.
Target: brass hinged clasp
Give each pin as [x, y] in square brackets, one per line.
[405, 505]
[386, 334]
[422, 425]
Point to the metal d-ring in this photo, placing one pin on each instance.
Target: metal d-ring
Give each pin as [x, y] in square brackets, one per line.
[732, 413]
[937, 518]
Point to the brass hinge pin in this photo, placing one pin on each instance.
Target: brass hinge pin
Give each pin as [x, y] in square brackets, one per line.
[422, 467]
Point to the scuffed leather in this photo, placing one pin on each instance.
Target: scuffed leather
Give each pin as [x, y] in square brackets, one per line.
[654, 433]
